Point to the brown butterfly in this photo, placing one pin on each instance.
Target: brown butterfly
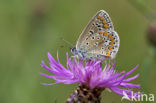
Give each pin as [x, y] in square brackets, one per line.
[98, 40]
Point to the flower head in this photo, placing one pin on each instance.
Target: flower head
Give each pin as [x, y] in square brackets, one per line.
[91, 74]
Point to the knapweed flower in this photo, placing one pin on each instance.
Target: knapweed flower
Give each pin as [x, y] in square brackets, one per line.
[91, 77]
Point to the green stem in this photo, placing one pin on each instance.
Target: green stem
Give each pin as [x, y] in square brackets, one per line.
[146, 68]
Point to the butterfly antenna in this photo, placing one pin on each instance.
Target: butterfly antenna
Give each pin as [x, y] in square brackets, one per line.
[67, 42]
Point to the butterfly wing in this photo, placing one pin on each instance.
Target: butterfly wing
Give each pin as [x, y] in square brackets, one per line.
[100, 22]
[104, 44]
[99, 38]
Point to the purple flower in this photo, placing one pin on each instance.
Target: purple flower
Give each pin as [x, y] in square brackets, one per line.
[90, 74]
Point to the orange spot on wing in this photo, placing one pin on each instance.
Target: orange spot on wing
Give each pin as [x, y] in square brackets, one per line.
[100, 32]
[110, 48]
[102, 18]
[98, 17]
[108, 53]
[111, 43]
[106, 26]
[105, 33]
[104, 22]
[112, 39]
[109, 35]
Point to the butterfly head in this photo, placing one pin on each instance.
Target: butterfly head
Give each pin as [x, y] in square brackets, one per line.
[74, 51]
[78, 53]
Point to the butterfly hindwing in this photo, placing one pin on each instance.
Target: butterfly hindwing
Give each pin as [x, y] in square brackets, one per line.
[104, 44]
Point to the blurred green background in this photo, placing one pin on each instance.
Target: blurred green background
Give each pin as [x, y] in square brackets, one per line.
[29, 29]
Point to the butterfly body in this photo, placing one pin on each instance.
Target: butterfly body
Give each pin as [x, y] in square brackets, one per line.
[98, 40]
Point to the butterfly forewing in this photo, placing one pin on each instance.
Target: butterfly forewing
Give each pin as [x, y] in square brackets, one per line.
[99, 40]
[100, 22]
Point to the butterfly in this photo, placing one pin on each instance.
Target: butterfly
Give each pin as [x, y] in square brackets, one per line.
[98, 40]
